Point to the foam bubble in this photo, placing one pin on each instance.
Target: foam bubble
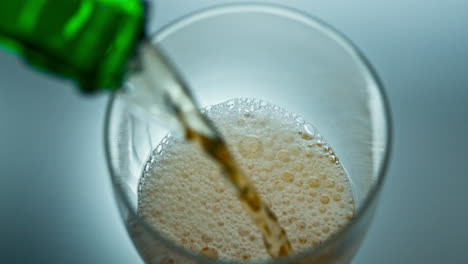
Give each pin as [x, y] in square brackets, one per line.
[183, 195]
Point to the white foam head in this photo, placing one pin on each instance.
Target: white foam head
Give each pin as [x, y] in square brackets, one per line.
[183, 195]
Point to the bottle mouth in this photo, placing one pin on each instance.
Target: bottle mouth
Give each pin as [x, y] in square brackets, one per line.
[365, 206]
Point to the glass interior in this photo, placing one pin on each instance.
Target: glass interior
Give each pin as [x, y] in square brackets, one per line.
[279, 56]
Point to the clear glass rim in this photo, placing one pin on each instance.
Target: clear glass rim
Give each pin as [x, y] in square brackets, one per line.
[302, 17]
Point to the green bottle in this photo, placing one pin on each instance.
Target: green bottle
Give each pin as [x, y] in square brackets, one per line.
[93, 42]
[88, 41]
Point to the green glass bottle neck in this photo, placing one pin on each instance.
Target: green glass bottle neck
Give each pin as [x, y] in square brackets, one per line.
[88, 41]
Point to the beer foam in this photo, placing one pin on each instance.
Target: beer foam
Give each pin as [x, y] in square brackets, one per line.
[184, 196]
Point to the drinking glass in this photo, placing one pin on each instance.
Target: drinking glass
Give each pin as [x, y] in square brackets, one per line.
[281, 56]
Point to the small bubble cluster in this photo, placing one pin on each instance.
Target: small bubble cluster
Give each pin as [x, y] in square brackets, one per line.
[184, 196]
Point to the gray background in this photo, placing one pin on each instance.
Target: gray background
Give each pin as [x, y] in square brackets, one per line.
[56, 204]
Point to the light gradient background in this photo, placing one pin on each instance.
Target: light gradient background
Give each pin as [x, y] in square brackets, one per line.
[56, 204]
